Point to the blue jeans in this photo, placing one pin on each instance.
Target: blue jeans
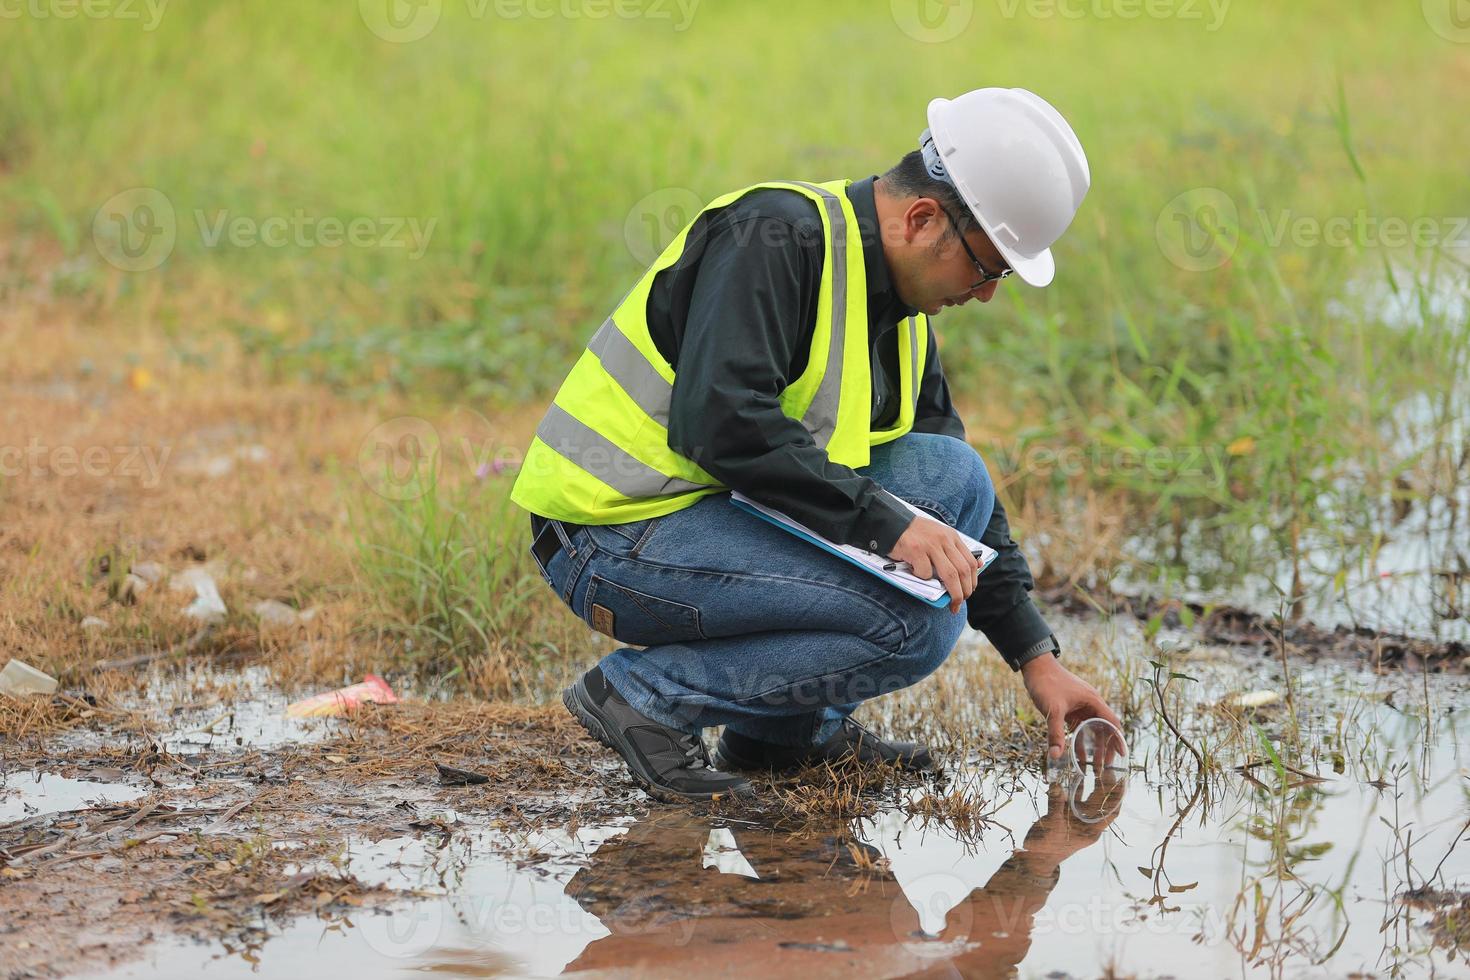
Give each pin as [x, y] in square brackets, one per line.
[744, 625]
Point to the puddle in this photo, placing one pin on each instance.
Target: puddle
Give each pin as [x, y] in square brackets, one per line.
[1410, 581]
[1294, 879]
[1424, 298]
[198, 708]
[228, 711]
[1385, 564]
[32, 793]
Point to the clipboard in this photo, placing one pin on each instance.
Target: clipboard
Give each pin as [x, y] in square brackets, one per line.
[927, 590]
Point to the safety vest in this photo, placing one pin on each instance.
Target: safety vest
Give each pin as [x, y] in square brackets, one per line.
[601, 454]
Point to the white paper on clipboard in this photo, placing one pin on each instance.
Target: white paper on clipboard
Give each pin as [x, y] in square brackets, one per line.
[902, 577]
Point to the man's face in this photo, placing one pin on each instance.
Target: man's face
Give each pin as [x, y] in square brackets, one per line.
[934, 271]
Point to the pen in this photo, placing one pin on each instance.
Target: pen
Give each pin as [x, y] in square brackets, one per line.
[893, 565]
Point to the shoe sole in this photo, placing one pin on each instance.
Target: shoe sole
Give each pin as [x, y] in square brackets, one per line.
[591, 719]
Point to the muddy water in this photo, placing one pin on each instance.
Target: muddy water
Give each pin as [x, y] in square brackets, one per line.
[225, 711]
[1277, 877]
[32, 793]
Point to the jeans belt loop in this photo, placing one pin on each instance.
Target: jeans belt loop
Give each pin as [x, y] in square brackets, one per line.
[566, 541]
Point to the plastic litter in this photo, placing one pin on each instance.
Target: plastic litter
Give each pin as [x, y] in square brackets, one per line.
[148, 571]
[373, 688]
[207, 606]
[273, 612]
[1248, 700]
[20, 678]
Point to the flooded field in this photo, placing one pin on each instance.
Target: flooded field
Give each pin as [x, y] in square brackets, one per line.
[1323, 836]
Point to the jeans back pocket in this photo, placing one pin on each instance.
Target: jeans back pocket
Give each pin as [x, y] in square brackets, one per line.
[636, 617]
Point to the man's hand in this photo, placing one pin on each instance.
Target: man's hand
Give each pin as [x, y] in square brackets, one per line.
[935, 550]
[1066, 700]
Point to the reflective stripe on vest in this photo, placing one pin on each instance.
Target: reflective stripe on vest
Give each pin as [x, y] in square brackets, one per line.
[820, 418]
[601, 453]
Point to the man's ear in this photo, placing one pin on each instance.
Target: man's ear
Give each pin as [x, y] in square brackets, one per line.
[920, 214]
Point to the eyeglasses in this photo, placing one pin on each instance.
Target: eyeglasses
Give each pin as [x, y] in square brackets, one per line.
[986, 276]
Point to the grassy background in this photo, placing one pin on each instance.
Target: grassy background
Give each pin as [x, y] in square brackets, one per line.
[551, 155]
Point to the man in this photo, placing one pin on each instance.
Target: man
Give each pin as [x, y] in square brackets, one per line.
[780, 346]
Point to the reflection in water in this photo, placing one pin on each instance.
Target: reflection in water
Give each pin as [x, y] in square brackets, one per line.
[798, 894]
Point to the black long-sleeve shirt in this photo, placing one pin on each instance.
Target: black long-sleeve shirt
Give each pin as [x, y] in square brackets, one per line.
[735, 316]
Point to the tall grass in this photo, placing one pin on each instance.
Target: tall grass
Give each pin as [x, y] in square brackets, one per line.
[449, 570]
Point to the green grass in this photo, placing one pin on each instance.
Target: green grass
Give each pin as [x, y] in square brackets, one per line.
[455, 588]
[529, 143]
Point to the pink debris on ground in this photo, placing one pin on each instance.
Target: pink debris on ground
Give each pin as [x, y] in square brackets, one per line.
[373, 688]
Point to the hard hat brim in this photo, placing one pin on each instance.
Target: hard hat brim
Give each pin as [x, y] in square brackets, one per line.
[1035, 270]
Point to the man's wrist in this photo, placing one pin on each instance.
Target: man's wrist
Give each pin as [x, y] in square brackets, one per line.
[881, 524]
[1036, 656]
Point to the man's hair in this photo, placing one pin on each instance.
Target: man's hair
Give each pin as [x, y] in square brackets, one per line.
[909, 178]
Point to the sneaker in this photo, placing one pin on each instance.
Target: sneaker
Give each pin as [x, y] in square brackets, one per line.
[850, 741]
[669, 764]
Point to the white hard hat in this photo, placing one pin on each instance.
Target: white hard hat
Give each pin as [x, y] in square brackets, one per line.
[1018, 166]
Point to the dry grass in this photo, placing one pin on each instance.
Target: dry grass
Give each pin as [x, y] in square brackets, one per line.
[128, 442]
